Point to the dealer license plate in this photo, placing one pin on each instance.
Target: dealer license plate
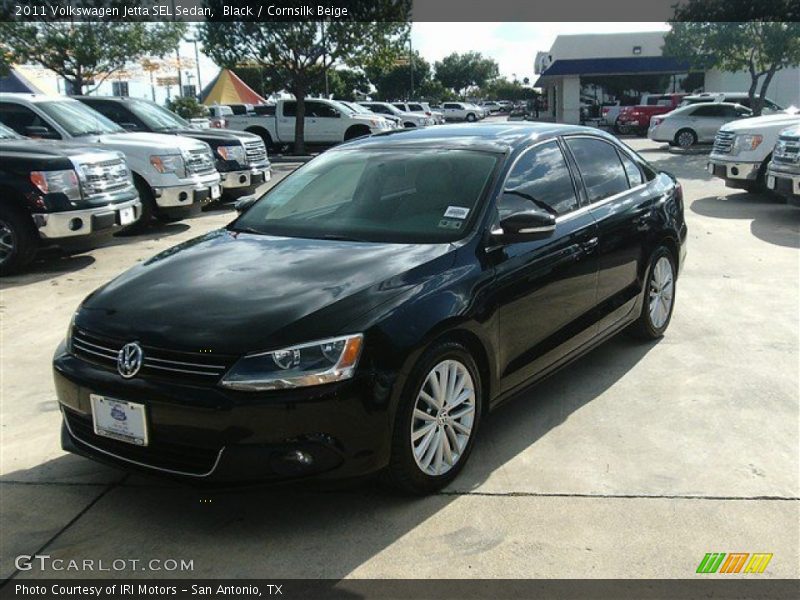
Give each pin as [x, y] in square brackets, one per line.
[771, 182]
[126, 216]
[215, 193]
[120, 420]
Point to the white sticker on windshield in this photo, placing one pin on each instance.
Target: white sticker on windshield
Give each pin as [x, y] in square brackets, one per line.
[456, 212]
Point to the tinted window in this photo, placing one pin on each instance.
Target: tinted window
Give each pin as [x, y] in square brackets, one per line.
[450, 105]
[320, 110]
[600, 167]
[416, 107]
[379, 108]
[78, 119]
[114, 111]
[19, 118]
[709, 110]
[541, 173]
[632, 170]
[290, 109]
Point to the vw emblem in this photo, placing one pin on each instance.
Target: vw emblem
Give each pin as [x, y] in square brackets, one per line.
[129, 360]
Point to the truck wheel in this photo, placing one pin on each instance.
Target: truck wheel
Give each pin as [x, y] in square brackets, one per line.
[263, 134]
[759, 186]
[18, 240]
[408, 125]
[685, 138]
[149, 208]
[471, 118]
[355, 132]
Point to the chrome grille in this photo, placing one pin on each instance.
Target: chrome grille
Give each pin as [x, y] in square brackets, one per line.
[105, 177]
[199, 162]
[157, 362]
[787, 150]
[255, 152]
[723, 142]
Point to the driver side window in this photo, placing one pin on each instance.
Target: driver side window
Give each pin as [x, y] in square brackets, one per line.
[542, 174]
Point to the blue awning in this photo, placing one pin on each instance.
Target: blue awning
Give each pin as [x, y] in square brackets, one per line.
[631, 65]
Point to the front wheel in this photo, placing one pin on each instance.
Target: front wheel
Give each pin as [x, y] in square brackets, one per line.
[437, 420]
[18, 240]
[659, 296]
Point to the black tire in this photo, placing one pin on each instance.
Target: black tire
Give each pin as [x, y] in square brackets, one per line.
[644, 328]
[471, 118]
[759, 186]
[264, 135]
[149, 208]
[409, 125]
[356, 132]
[685, 138]
[19, 239]
[403, 473]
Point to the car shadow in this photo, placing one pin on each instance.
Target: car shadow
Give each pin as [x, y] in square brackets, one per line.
[155, 232]
[772, 220]
[317, 531]
[46, 266]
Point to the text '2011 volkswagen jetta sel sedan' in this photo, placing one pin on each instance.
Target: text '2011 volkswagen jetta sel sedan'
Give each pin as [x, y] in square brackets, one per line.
[365, 314]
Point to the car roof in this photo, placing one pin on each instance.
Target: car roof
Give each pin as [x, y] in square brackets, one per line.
[31, 97]
[490, 137]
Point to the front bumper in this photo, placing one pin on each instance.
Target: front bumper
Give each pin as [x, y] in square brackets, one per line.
[216, 435]
[89, 221]
[636, 122]
[246, 178]
[741, 171]
[201, 191]
[784, 183]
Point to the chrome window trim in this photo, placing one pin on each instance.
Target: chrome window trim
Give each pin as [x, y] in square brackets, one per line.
[138, 463]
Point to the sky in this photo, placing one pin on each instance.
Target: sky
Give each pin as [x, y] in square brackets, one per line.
[512, 45]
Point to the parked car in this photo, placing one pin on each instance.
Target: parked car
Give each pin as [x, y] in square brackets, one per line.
[387, 295]
[174, 175]
[783, 173]
[326, 123]
[218, 116]
[636, 119]
[482, 112]
[59, 195]
[694, 123]
[240, 157]
[408, 119]
[518, 113]
[420, 108]
[395, 121]
[491, 106]
[743, 149]
[461, 111]
[742, 98]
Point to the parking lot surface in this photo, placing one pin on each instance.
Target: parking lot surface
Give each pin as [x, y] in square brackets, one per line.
[634, 462]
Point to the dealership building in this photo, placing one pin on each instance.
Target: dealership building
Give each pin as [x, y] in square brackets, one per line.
[588, 69]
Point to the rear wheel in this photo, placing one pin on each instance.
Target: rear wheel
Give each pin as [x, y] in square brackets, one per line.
[685, 138]
[471, 118]
[437, 420]
[659, 297]
[18, 240]
[356, 132]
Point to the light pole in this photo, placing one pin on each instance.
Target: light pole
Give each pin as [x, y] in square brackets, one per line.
[194, 41]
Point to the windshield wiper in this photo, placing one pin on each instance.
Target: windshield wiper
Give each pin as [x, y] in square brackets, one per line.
[93, 132]
[343, 238]
[246, 230]
[543, 205]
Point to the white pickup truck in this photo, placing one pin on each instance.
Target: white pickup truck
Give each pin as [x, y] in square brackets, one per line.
[742, 149]
[327, 122]
[174, 175]
[783, 174]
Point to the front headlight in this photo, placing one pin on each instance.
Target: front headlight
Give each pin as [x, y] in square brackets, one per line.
[235, 153]
[746, 143]
[315, 363]
[52, 182]
[68, 339]
[171, 163]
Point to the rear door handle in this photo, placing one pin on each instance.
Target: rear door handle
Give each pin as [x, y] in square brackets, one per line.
[590, 245]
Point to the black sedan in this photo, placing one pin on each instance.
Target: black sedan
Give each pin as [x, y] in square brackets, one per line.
[367, 312]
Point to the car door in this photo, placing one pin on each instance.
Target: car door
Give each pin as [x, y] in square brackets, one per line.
[615, 185]
[325, 120]
[546, 288]
[286, 121]
[706, 121]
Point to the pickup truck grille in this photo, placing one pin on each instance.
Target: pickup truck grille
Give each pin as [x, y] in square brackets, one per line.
[723, 142]
[105, 177]
[157, 363]
[255, 152]
[787, 150]
[199, 162]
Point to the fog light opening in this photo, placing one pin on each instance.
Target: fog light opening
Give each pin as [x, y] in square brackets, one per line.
[242, 178]
[299, 457]
[183, 196]
[75, 224]
[734, 170]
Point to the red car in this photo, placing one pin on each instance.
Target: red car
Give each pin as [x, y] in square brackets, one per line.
[636, 119]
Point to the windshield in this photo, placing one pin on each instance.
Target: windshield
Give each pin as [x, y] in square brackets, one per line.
[8, 134]
[77, 118]
[403, 196]
[155, 117]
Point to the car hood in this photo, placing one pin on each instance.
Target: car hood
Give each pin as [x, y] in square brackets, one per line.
[234, 293]
[776, 121]
[216, 137]
[59, 149]
[144, 141]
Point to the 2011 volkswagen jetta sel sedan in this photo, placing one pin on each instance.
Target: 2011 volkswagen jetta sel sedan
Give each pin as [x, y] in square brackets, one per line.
[367, 312]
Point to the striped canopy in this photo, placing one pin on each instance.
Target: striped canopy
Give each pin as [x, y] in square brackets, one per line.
[227, 88]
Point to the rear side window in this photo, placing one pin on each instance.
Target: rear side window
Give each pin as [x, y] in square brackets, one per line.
[631, 170]
[540, 173]
[19, 118]
[602, 172]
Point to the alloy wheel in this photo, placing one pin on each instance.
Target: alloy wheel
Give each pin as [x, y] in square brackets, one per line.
[443, 418]
[662, 292]
[8, 241]
[685, 139]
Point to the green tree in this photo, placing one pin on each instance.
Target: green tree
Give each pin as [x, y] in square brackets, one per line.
[299, 52]
[393, 81]
[503, 89]
[762, 48]
[433, 91]
[86, 53]
[342, 84]
[187, 107]
[459, 72]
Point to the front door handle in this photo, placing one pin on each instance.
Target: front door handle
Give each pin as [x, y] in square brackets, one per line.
[590, 245]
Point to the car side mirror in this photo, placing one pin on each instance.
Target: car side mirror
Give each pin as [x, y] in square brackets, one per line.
[37, 131]
[524, 226]
[245, 202]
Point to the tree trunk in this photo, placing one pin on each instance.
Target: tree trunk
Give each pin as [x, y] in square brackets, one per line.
[300, 122]
[74, 86]
[762, 94]
[754, 77]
